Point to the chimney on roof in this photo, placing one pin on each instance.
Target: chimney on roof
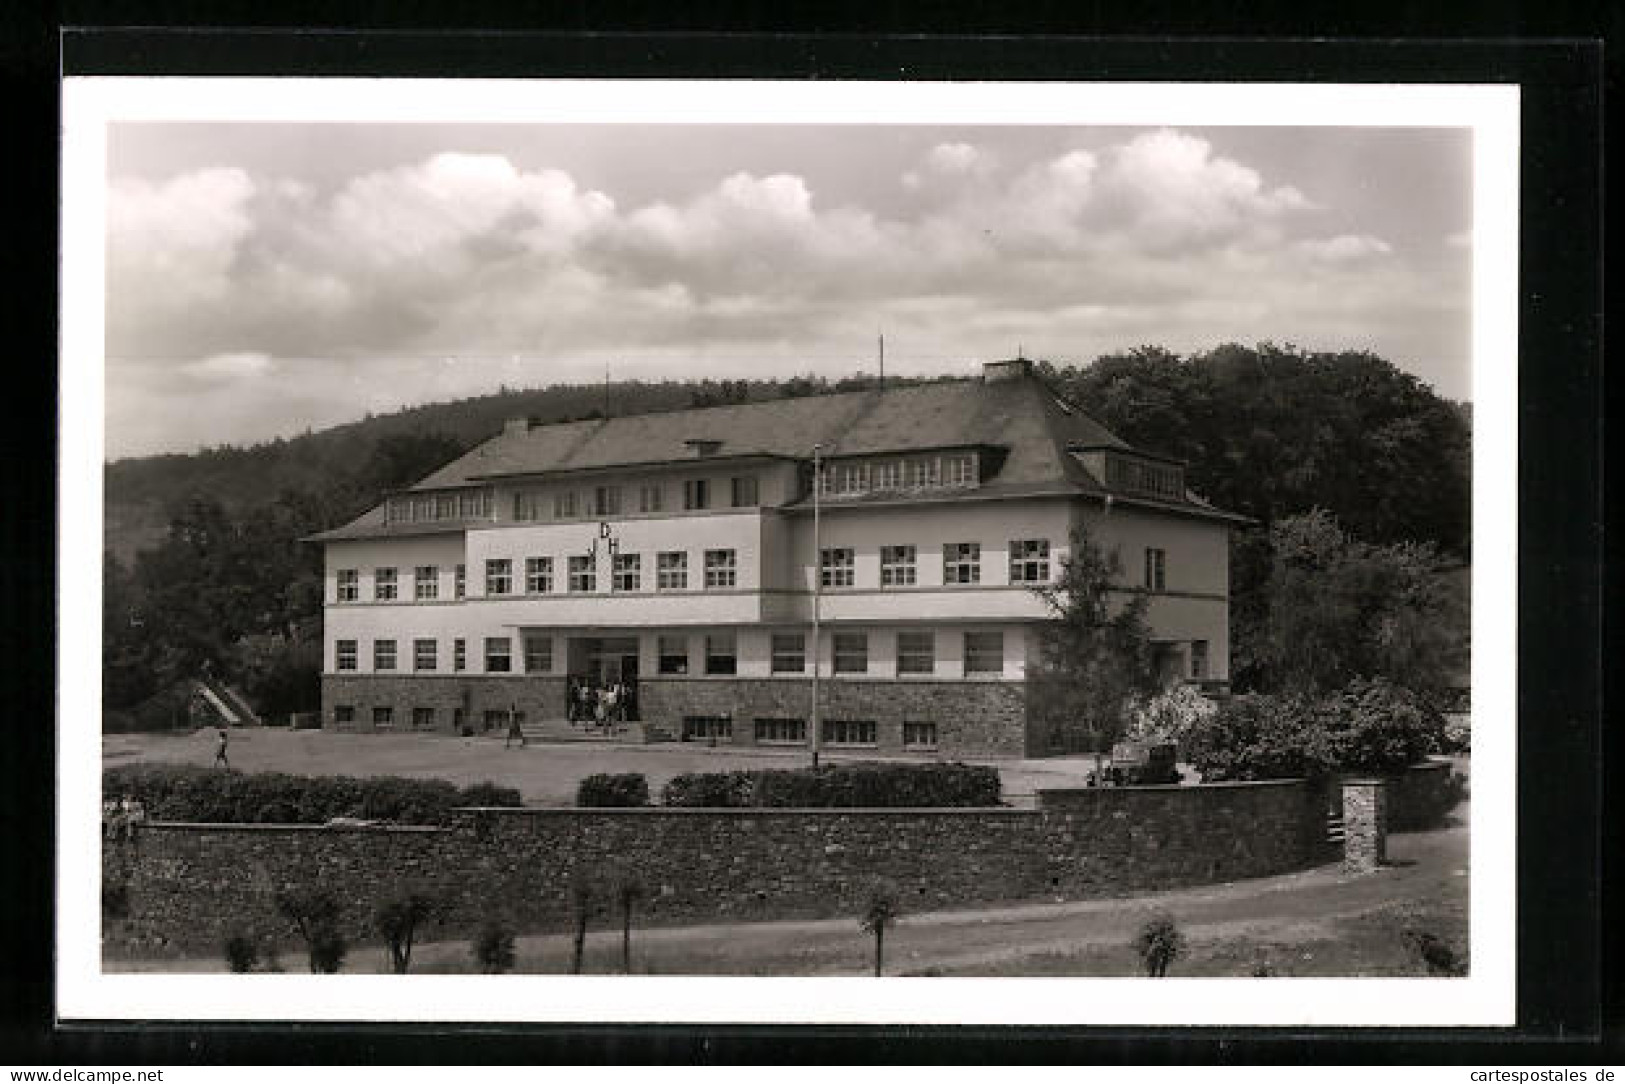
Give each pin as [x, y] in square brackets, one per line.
[1013, 369]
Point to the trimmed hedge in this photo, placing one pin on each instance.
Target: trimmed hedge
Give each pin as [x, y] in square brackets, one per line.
[174, 792]
[606, 791]
[861, 785]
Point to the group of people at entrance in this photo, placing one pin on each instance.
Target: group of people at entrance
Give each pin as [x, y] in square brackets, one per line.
[601, 704]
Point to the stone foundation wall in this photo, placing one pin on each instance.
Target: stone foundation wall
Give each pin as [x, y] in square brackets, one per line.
[191, 886]
[974, 718]
[537, 697]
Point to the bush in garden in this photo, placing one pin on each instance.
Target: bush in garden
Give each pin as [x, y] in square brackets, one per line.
[1376, 726]
[880, 912]
[1158, 944]
[1259, 736]
[1173, 715]
[489, 795]
[604, 791]
[709, 790]
[493, 948]
[202, 795]
[242, 953]
[115, 898]
[846, 786]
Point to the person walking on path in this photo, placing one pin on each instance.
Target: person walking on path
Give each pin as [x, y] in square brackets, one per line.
[220, 757]
[514, 729]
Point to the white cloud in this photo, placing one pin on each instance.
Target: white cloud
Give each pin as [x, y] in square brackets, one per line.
[1153, 238]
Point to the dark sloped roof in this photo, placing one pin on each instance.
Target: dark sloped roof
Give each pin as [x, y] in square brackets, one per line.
[1033, 426]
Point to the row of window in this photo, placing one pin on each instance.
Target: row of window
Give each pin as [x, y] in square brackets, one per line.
[602, 502]
[439, 507]
[919, 736]
[837, 567]
[850, 479]
[916, 653]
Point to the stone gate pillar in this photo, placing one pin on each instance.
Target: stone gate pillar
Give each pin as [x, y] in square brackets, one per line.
[1365, 824]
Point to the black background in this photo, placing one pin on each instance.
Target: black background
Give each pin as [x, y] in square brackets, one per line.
[1568, 997]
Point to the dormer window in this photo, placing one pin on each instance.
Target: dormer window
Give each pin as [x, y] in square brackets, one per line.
[703, 447]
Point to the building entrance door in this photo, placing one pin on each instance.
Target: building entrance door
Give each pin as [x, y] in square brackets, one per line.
[601, 662]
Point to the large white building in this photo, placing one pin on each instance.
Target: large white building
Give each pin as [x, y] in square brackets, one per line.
[676, 551]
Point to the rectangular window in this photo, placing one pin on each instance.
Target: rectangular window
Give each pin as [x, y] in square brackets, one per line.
[445, 506]
[426, 582]
[721, 569]
[984, 653]
[781, 732]
[461, 581]
[538, 654]
[744, 491]
[498, 655]
[343, 713]
[499, 576]
[422, 718]
[344, 655]
[674, 654]
[672, 572]
[852, 478]
[1199, 659]
[583, 574]
[721, 656]
[566, 505]
[889, 475]
[919, 736]
[851, 653]
[789, 652]
[650, 498]
[924, 473]
[838, 567]
[962, 562]
[1156, 569]
[897, 566]
[628, 574]
[383, 654]
[384, 717]
[497, 718]
[961, 470]
[708, 728]
[425, 655]
[349, 585]
[1029, 561]
[476, 505]
[459, 654]
[383, 584]
[606, 501]
[696, 494]
[916, 652]
[838, 732]
[538, 575]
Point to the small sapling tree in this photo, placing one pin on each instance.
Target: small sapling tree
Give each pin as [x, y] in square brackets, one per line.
[398, 919]
[628, 891]
[1158, 944]
[580, 911]
[314, 912]
[880, 912]
[493, 948]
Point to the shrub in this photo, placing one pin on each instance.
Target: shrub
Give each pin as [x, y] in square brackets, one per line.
[609, 791]
[709, 790]
[493, 948]
[1173, 715]
[242, 953]
[327, 950]
[880, 912]
[1376, 726]
[847, 786]
[1437, 955]
[1259, 736]
[115, 898]
[489, 795]
[1158, 944]
[192, 793]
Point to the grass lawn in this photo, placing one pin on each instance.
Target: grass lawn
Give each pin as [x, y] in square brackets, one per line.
[544, 774]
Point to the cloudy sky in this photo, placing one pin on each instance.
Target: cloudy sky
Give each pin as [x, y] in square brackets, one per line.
[266, 278]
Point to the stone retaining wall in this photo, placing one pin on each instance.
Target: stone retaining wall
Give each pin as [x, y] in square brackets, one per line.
[189, 886]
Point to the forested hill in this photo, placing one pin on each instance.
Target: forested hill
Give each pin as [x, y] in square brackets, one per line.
[1268, 431]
